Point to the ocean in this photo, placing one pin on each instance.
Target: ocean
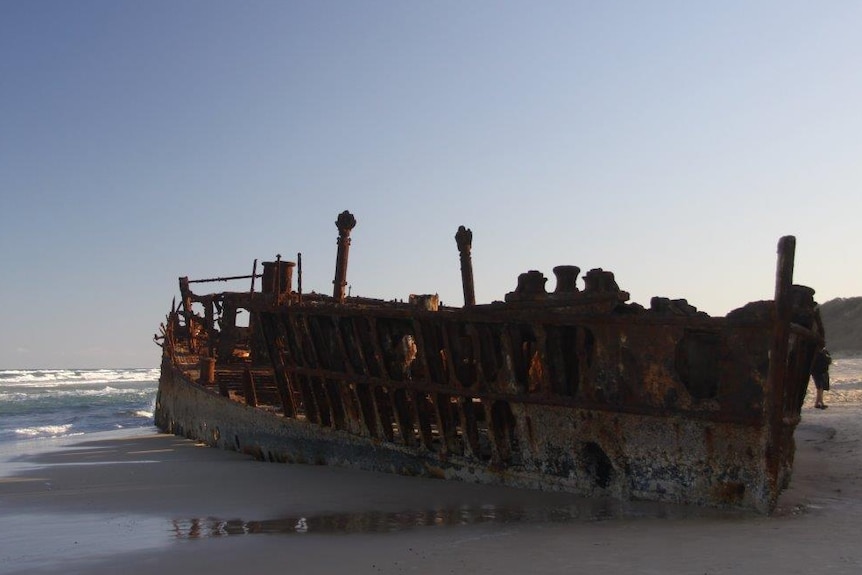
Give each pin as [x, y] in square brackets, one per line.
[37, 404]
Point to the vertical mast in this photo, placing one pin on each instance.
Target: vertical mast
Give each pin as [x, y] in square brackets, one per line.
[464, 239]
[776, 380]
[345, 223]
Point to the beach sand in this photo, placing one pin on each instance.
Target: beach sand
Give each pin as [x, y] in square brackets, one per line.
[144, 502]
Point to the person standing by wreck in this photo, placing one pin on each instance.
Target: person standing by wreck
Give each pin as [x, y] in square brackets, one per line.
[820, 374]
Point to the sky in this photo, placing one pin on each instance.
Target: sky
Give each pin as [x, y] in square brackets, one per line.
[670, 142]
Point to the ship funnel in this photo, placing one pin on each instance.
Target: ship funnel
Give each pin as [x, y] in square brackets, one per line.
[277, 277]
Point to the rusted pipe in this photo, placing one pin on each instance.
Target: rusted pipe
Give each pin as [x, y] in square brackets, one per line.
[464, 239]
[220, 279]
[186, 294]
[299, 274]
[345, 224]
[278, 274]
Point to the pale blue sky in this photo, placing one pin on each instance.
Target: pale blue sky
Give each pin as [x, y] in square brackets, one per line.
[672, 143]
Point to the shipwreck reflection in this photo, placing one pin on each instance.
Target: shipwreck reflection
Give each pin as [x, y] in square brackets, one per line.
[390, 522]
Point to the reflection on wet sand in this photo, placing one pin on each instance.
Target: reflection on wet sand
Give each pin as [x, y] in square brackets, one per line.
[389, 522]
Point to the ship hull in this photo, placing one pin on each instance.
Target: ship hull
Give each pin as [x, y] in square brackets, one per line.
[572, 391]
[661, 446]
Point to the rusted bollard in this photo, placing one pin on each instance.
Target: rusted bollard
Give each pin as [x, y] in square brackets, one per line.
[567, 278]
[598, 280]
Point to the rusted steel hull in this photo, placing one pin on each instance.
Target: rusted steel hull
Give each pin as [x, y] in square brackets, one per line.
[567, 391]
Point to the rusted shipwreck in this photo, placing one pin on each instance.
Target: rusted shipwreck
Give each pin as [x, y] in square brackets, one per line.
[573, 390]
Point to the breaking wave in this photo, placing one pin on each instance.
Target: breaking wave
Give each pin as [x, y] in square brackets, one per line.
[48, 403]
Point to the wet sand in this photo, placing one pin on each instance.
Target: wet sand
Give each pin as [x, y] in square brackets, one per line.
[146, 503]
